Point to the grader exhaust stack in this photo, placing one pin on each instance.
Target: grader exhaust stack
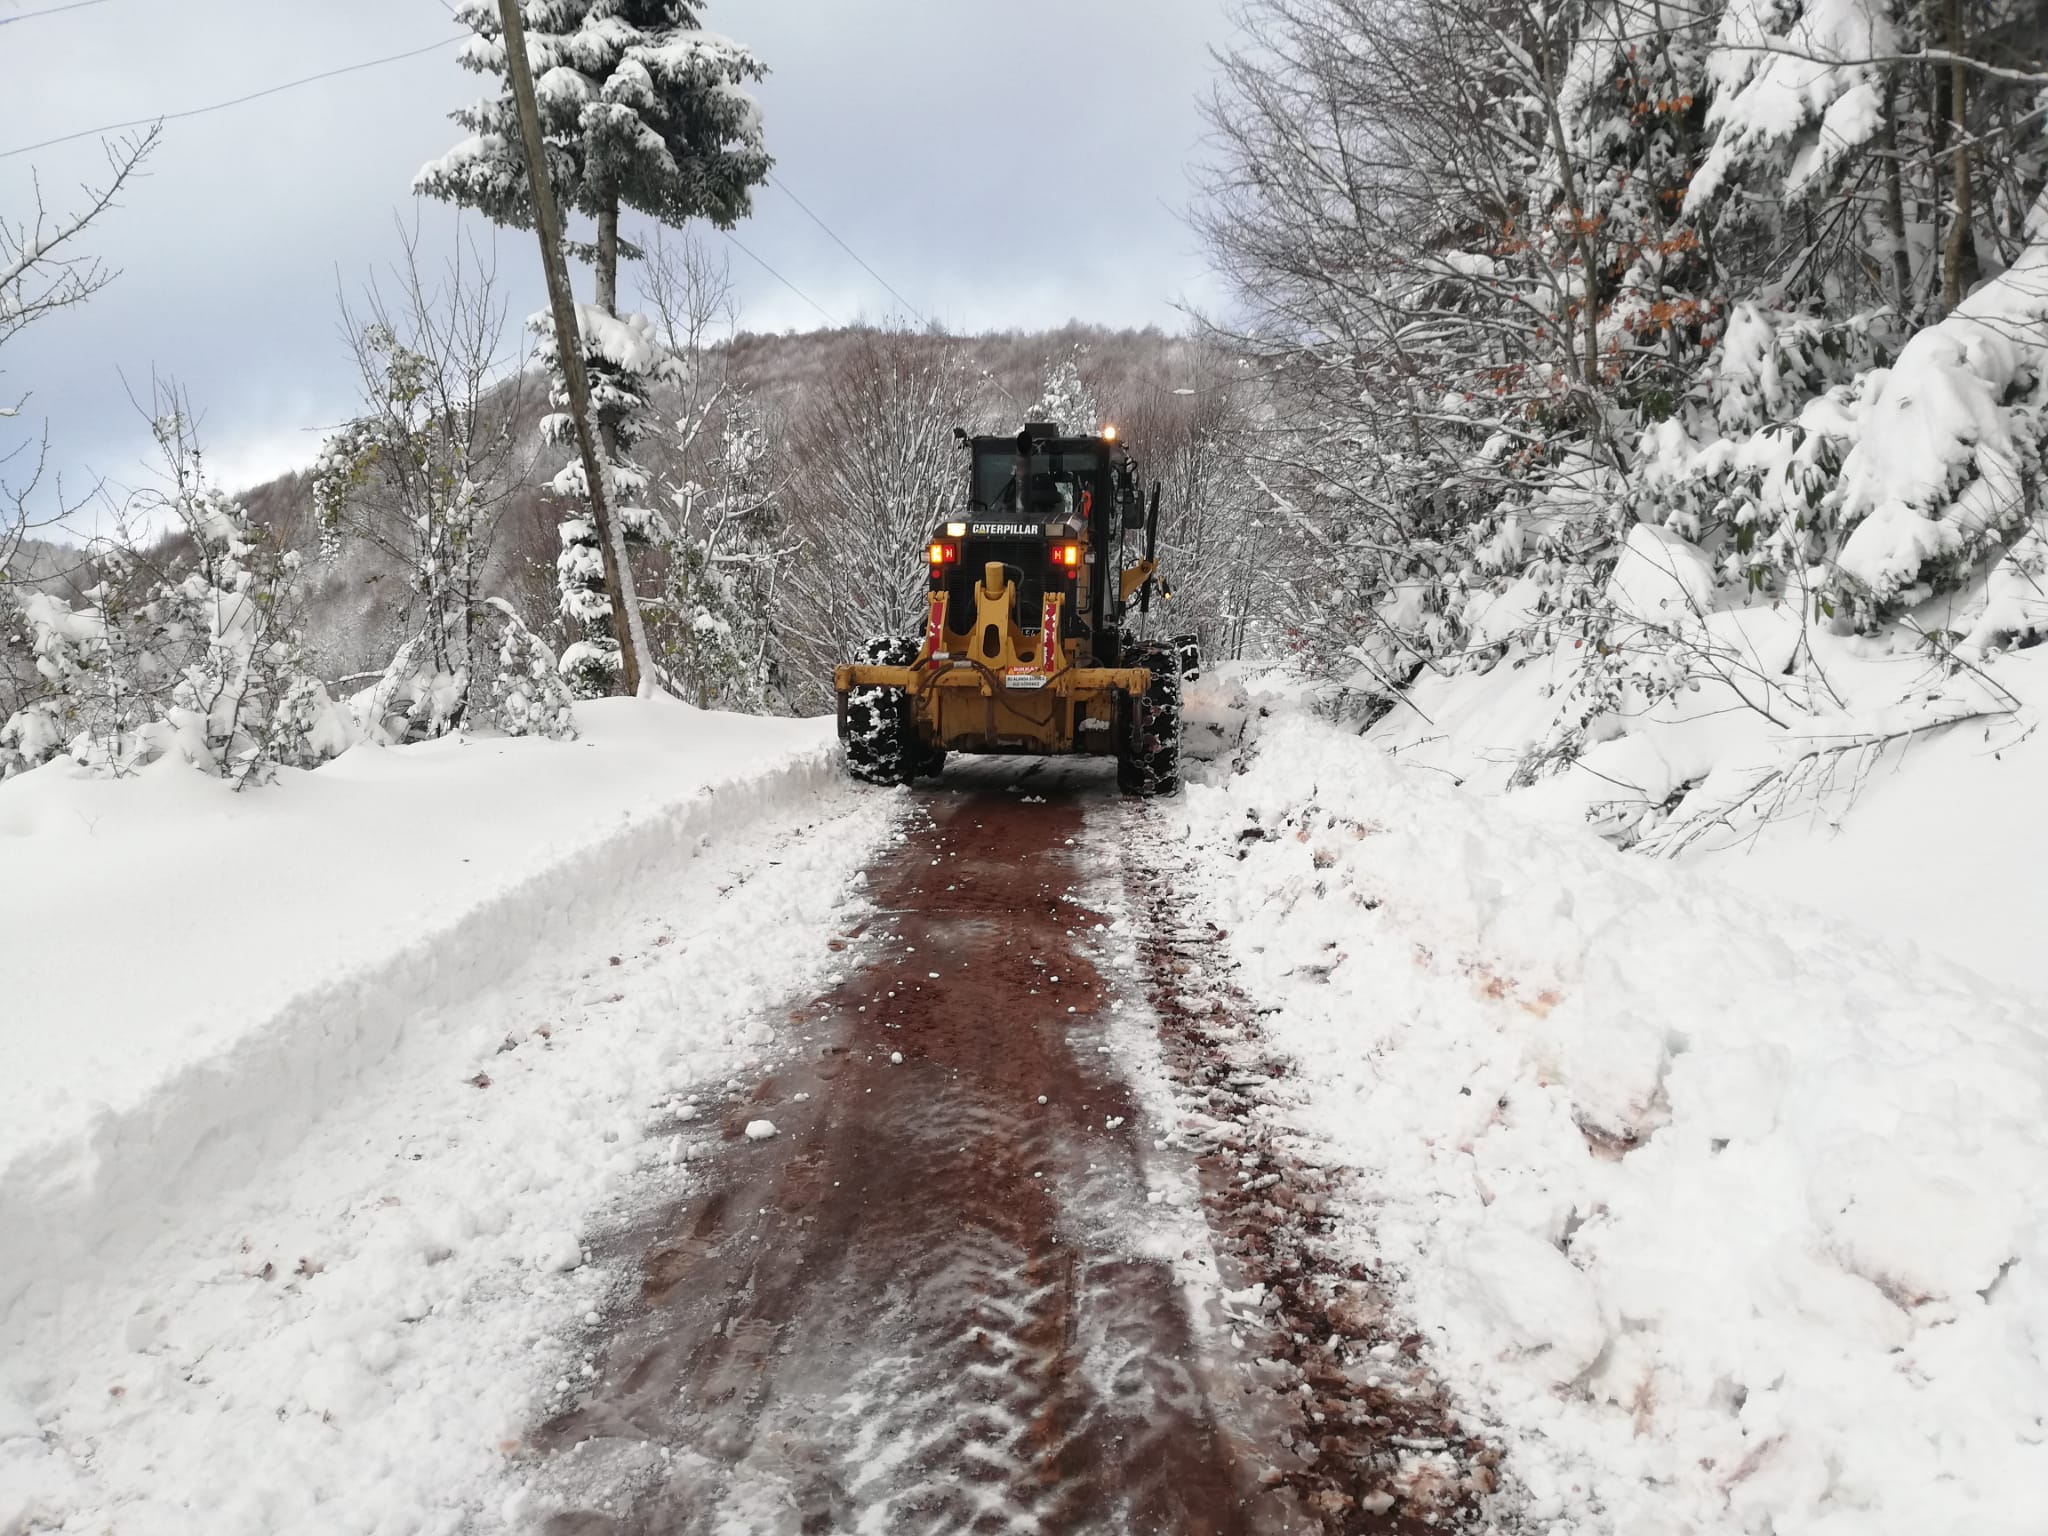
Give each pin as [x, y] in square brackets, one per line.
[1028, 644]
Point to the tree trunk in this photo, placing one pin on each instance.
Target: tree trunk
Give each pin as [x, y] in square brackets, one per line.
[1959, 250]
[1895, 204]
[1951, 139]
[608, 255]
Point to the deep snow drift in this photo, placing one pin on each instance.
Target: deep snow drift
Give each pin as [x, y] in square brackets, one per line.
[321, 1087]
[1910, 805]
[1729, 1215]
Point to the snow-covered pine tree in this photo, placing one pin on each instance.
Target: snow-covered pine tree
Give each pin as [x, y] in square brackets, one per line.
[528, 696]
[626, 361]
[1820, 122]
[642, 109]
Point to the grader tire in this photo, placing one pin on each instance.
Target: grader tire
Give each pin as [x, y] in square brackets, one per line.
[1148, 746]
[882, 745]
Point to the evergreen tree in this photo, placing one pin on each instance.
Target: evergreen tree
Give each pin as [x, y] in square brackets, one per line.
[626, 362]
[528, 695]
[640, 108]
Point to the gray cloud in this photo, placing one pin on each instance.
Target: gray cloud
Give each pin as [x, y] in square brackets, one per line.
[1004, 166]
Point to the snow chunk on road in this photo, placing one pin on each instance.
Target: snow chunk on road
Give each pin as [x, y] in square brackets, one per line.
[1914, 1232]
[1531, 1295]
[557, 1252]
[760, 1130]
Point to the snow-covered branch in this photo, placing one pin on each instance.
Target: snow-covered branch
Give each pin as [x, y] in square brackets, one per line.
[41, 268]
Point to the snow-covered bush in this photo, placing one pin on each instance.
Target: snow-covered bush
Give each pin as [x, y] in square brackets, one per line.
[528, 696]
[192, 647]
[77, 696]
[413, 699]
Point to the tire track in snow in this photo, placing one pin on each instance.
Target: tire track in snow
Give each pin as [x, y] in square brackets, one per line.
[909, 1312]
[1379, 1446]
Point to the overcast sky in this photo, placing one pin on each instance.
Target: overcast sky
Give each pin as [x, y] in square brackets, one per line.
[1001, 164]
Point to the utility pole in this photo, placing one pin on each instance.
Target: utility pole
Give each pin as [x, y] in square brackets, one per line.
[611, 537]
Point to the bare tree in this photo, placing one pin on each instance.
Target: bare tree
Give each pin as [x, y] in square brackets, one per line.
[42, 267]
[876, 467]
[696, 306]
[423, 475]
[46, 266]
[1192, 427]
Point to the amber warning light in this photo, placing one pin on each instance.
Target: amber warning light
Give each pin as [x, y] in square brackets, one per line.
[944, 554]
[1068, 555]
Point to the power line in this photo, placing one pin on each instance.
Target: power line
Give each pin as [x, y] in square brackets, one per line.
[218, 106]
[51, 10]
[413, 53]
[856, 255]
[792, 287]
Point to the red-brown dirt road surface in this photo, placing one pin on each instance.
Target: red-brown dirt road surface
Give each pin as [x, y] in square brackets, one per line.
[954, 1292]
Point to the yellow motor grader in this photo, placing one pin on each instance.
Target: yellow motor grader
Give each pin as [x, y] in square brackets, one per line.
[1028, 643]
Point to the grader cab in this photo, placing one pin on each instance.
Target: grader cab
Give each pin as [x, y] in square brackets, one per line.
[1028, 645]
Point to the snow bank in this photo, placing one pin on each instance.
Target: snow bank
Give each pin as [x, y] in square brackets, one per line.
[366, 1336]
[191, 975]
[1731, 1217]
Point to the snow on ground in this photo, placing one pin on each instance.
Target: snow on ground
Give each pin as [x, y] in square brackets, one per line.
[1728, 1214]
[1872, 810]
[315, 1093]
[1935, 842]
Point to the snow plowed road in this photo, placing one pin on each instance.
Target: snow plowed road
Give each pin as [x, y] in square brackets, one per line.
[966, 1286]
